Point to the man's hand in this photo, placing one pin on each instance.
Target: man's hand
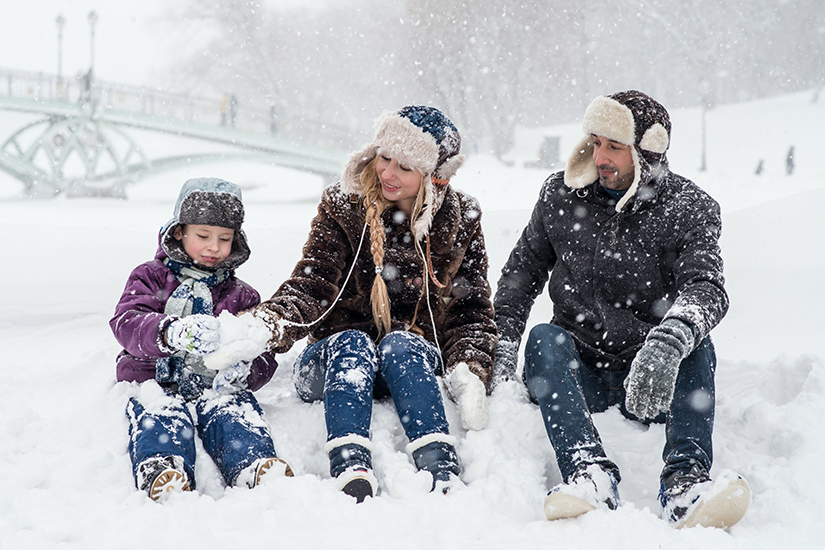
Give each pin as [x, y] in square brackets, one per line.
[196, 334]
[652, 376]
[506, 361]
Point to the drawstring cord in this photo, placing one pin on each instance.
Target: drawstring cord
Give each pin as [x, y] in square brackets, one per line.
[343, 286]
[429, 269]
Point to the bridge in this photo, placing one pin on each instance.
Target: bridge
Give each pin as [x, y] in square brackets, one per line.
[86, 136]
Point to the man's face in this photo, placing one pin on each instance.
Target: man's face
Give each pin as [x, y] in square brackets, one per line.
[614, 162]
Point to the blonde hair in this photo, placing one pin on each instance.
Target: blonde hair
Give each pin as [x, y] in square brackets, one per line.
[375, 205]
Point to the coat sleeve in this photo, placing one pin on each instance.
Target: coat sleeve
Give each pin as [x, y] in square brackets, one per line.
[701, 300]
[315, 281]
[469, 329]
[524, 274]
[139, 321]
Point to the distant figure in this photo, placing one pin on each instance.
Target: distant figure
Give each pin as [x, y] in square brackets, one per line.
[273, 122]
[233, 109]
[222, 108]
[760, 166]
[789, 161]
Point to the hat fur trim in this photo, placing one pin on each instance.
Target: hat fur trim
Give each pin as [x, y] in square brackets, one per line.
[397, 137]
[655, 139]
[609, 118]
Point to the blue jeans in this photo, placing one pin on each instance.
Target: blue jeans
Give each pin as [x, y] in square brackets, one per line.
[347, 371]
[568, 389]
[232, 428]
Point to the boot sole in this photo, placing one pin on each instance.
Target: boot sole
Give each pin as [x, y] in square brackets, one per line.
[358, 488]
[281, 468]
[359, 485]
[167, 482]
[722, 511]
[561, 506]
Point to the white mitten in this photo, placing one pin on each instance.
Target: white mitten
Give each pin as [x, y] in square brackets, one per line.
[196, 334]
[232, 378]
[470, 394]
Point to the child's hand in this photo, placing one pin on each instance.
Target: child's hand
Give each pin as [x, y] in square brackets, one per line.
[196, 334]
[232, 378]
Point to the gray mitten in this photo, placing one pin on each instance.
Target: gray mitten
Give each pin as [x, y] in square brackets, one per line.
[506, 361]
[652, 376]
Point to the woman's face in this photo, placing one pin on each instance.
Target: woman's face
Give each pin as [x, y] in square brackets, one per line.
[399, 183]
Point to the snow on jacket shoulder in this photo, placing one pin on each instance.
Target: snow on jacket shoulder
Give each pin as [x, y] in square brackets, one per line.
[462, 310]
[139, 321]
[613, 276]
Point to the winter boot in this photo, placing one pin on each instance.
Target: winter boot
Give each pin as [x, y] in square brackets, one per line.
[691, 498]
[589, 488]
[350, 463]
[251, 475]
[161, 476]
[436, 454]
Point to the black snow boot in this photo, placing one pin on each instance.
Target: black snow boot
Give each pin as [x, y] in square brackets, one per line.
[440, 459]
[351, 465]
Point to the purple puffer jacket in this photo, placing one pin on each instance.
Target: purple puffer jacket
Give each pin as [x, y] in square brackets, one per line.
[139, 321]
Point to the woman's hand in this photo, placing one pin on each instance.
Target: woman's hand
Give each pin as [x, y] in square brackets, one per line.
[470, 394]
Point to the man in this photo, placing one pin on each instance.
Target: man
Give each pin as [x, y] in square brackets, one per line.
[635, 275]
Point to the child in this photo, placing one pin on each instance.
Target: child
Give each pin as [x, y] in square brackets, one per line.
[165, 321]
[387, 312]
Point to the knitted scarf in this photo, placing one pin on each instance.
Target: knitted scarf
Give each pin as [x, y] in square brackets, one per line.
[193, 296]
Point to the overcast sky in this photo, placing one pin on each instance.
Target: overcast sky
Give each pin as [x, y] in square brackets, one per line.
[129, 37]
[132, 38]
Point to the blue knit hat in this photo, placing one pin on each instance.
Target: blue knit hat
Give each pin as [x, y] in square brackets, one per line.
[418, 136]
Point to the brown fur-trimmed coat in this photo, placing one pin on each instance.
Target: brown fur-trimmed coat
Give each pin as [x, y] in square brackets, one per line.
[462, 311]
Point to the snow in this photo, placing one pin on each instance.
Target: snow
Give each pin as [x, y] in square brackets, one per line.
[243, 338]
[64, 471]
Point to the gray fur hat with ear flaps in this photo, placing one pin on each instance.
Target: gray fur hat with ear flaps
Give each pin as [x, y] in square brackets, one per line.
[631, 118]
[417, 136]
[207, 201]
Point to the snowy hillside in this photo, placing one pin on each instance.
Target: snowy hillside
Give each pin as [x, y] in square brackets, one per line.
[65, 477]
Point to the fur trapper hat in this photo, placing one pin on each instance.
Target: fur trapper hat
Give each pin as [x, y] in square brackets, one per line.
[207, 201]
[417, 136]
[631, 118]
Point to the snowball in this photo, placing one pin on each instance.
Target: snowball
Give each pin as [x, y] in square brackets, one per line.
[243, 338]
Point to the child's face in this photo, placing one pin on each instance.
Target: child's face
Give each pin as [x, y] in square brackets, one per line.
[207, 245]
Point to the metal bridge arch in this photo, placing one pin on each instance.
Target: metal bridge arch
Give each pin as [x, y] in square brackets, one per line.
[84, 134]
[57, 150]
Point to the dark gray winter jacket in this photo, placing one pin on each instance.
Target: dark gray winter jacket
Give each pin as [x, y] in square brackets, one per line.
[615, 275]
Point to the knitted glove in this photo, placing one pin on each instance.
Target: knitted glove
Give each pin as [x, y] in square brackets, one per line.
[652, 376]
[470, 394]
[196, 334]
[506, 361]
[232, 378]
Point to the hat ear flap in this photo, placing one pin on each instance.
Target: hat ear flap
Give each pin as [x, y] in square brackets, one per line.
[449, 167]
[351, 177]
[581, 170]
[655, 139]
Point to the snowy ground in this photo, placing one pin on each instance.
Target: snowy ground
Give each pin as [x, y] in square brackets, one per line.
[64, 473]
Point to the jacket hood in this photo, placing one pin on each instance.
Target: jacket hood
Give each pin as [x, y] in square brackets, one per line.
[207, 201]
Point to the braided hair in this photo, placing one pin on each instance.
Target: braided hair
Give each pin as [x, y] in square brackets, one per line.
[375, 204]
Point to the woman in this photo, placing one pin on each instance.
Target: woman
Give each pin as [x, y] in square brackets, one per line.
[392, 290]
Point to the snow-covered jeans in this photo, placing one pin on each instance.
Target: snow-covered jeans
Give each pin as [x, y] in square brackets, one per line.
[568, 389]
[232, 428]
[347, 371]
